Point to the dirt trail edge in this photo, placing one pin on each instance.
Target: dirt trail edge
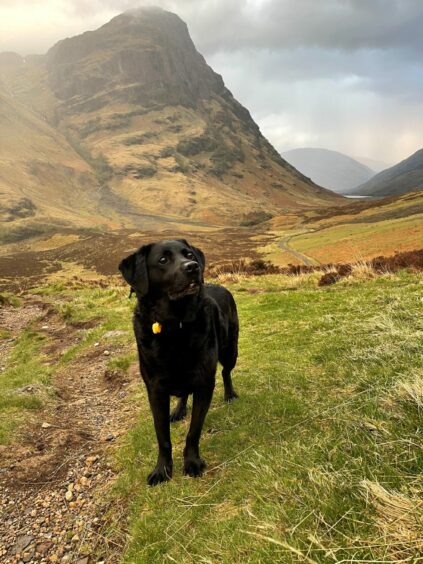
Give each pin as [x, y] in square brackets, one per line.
[53, 482]
[284, 245]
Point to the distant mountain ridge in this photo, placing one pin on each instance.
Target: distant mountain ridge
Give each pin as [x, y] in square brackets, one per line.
[153, 127]
[330, 169]
[406, 176]
[374, 164]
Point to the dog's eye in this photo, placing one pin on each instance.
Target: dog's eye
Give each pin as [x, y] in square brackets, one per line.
[190, 256]
[163, 260]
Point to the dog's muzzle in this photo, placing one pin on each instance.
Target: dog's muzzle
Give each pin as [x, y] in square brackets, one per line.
[191, 285]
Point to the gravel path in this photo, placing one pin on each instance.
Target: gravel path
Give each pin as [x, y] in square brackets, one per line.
[53, 482]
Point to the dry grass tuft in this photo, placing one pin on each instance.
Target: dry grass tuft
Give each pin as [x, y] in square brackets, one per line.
[399, 518]
[362, 270]
[411, 390]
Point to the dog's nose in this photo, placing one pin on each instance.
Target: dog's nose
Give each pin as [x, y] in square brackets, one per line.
[190, 266]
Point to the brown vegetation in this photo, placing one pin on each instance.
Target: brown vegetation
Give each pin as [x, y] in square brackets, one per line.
[332, 272]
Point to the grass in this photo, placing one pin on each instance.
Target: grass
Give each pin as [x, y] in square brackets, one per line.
[24, 367]
[320, 458]
[325, 436]
[349, 242]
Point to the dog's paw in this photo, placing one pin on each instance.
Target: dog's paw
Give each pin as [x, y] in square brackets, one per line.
[231, 396]
[194, 467]
[178, 414]
[161, 473]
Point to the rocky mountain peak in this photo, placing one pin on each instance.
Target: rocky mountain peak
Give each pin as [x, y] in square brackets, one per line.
[142, 56]
[147, 132]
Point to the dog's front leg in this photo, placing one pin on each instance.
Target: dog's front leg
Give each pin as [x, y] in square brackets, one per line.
[193, 463]
[160, 403]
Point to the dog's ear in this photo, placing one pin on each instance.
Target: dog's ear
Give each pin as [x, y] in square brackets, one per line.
[134, 270]
[200, 258]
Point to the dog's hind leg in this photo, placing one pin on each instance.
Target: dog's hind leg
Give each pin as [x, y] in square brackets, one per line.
[228, 359]
[180, 410]
[230, 393]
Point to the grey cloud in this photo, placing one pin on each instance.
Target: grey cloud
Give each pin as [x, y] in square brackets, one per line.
[341, 74]
[275, 24]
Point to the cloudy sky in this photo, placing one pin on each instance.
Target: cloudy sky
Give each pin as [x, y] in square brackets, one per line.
[345, 75]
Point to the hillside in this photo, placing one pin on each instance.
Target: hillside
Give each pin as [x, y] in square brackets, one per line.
[359, 231]
[406, 176]
[42, 180]
[330, 169]
[150, 126]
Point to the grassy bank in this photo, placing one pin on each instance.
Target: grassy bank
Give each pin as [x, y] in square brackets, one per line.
[319, 459]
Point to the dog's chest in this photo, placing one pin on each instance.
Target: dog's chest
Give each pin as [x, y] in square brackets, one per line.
[183, 349]
[180, 358]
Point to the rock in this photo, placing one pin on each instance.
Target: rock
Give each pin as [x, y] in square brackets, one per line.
[112, 334]
[68, 495]
[43, 547]
[22, 542]
[28, 556]
[106, 353]
[46, 425]
[30, 389]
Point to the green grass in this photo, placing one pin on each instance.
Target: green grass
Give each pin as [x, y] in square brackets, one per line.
[24, 366]
[332, 233]
[360, 237]
[322, 443]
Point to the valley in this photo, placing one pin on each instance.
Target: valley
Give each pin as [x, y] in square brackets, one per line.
[124, 135]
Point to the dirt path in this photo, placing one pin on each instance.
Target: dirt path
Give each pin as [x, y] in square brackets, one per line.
[52, 483]
[284, 245]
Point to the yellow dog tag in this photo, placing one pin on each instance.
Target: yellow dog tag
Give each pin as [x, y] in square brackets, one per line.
[156, 327]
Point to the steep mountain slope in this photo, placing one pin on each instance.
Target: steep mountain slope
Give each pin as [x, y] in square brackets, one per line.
[154, 126]
[406, 176]
[331, 169]
[42, 180]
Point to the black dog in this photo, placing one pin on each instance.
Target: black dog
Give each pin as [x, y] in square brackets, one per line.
[183, 327]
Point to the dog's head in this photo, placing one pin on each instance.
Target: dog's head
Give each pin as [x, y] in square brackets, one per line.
[175, 268]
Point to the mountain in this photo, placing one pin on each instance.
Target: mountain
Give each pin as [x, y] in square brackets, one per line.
[406, 176]
[374, 164]
[331, 169]
[41, 177]
[144, 129]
